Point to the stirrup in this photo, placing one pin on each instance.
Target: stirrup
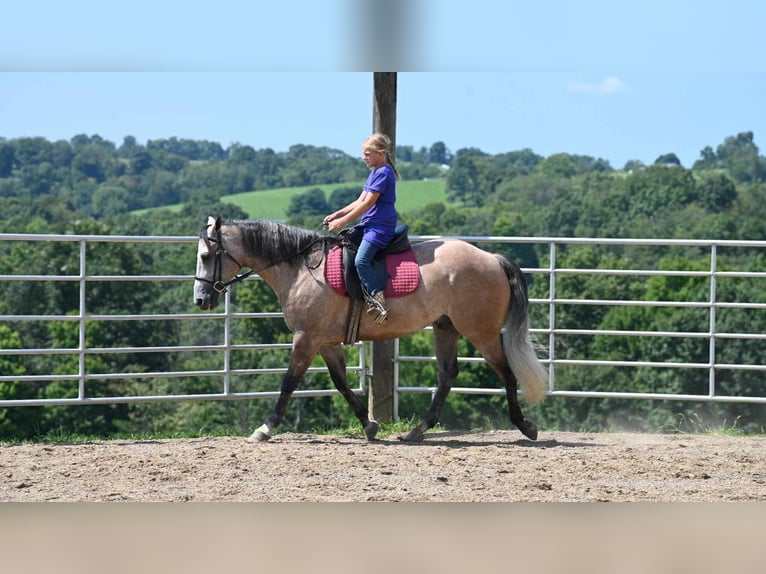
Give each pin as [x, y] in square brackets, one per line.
[381, 318]
[376, 304]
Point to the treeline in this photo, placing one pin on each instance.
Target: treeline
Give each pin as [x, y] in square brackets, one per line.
[52, 187]
[96, 178]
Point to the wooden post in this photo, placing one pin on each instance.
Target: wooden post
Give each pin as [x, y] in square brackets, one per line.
[381, 399]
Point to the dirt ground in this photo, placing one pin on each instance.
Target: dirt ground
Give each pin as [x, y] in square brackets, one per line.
[495, 466]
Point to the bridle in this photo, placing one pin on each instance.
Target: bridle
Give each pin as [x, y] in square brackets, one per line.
[217, 281]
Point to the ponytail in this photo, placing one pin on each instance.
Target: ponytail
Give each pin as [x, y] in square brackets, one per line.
[390, 161]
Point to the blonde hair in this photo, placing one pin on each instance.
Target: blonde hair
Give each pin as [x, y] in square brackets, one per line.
[381, 143]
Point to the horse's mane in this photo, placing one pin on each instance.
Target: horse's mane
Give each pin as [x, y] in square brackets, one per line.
[278, 242]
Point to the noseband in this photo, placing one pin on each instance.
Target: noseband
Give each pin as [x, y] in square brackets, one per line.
[217, 282]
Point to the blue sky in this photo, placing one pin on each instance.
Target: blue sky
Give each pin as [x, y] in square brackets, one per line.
[613, 80]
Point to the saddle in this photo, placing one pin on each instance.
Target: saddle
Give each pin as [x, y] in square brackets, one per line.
[395, 265]
[350, 240]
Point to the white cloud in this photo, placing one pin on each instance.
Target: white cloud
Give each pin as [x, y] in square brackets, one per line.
[606, 87]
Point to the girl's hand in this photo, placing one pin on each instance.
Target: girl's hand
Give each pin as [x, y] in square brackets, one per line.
[334, 225]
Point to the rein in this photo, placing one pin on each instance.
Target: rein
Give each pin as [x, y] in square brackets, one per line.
[222, 286]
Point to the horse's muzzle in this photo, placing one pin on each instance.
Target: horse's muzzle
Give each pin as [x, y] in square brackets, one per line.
[206, 303]
[204, 297]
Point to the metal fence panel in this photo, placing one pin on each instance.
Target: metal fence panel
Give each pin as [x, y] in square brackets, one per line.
[551, 333]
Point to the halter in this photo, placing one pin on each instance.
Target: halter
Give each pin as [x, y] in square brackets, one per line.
[217, 283]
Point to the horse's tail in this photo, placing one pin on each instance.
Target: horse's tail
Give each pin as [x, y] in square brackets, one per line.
[517, 343]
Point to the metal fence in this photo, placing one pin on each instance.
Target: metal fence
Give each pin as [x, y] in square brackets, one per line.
[543, 309]
[551, 332]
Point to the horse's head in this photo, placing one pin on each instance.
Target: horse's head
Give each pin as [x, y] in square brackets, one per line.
[216, 267]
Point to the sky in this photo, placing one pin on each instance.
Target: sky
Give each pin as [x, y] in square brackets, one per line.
[618, 81]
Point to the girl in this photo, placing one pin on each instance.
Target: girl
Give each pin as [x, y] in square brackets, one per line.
[376, 206]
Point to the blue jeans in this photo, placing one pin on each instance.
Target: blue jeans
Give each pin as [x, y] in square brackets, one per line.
[363, 261]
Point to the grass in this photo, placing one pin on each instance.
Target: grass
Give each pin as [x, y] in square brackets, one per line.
[353, 429]
[62, 436]
[273, 204]
[385, 430]
[693, 424]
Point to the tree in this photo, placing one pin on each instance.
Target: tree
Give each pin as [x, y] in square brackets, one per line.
[37, 179]
[668, 159]
[14, 423]
[342, 196]
[30, 151]
[657, 189]
[707, 159]
[311, 202]
[404, 153]
[739, 155]
[81, 140]
[109, 201]
[523, 162]
[141, 161]
[241, 153]
[463, 182]
[716, 193]
[129, 147]
[92, 162]
[557, 165]
[61, 154]
[439, 154]
[7, 158]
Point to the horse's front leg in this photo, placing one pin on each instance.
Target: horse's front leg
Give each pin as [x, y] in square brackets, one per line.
[335, 359]
[303, 352]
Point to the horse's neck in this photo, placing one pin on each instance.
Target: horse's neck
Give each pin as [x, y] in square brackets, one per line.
[280, 277]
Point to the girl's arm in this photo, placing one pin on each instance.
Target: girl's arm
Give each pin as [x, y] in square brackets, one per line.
[344, 216]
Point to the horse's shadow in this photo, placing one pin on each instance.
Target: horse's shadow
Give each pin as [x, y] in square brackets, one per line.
[462, 439]
[499, 442]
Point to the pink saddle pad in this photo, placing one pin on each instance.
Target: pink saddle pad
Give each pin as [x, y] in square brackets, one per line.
[402, 268]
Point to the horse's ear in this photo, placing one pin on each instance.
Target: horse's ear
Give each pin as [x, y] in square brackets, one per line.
[215, 222]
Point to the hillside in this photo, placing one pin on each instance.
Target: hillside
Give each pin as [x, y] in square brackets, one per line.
[273, 203]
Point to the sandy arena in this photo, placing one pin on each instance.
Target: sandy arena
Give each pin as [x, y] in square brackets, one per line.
[495, 466]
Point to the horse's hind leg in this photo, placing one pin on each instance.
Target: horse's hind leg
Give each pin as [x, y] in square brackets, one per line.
[495, 357]
[445, 340]
[336, 363]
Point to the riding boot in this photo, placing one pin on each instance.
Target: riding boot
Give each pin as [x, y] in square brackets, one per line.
[377, 304]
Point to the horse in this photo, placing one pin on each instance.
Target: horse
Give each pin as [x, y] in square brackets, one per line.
[463, 291]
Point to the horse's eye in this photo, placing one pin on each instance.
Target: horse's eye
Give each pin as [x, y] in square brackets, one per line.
[204, 256]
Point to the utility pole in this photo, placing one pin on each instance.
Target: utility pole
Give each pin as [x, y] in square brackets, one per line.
[381, 401]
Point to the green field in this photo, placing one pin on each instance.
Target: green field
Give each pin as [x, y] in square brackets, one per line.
[273, 203]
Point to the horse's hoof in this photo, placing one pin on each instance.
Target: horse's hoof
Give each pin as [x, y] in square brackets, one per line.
[529, 430]
[259, 436]
[413, 436]
[371, 430]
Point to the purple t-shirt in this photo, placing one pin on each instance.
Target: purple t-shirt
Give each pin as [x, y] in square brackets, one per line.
[379, 221]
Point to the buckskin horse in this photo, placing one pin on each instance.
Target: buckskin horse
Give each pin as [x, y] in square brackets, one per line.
[461, 291]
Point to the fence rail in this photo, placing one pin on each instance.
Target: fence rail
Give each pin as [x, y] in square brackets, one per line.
[550, 332]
